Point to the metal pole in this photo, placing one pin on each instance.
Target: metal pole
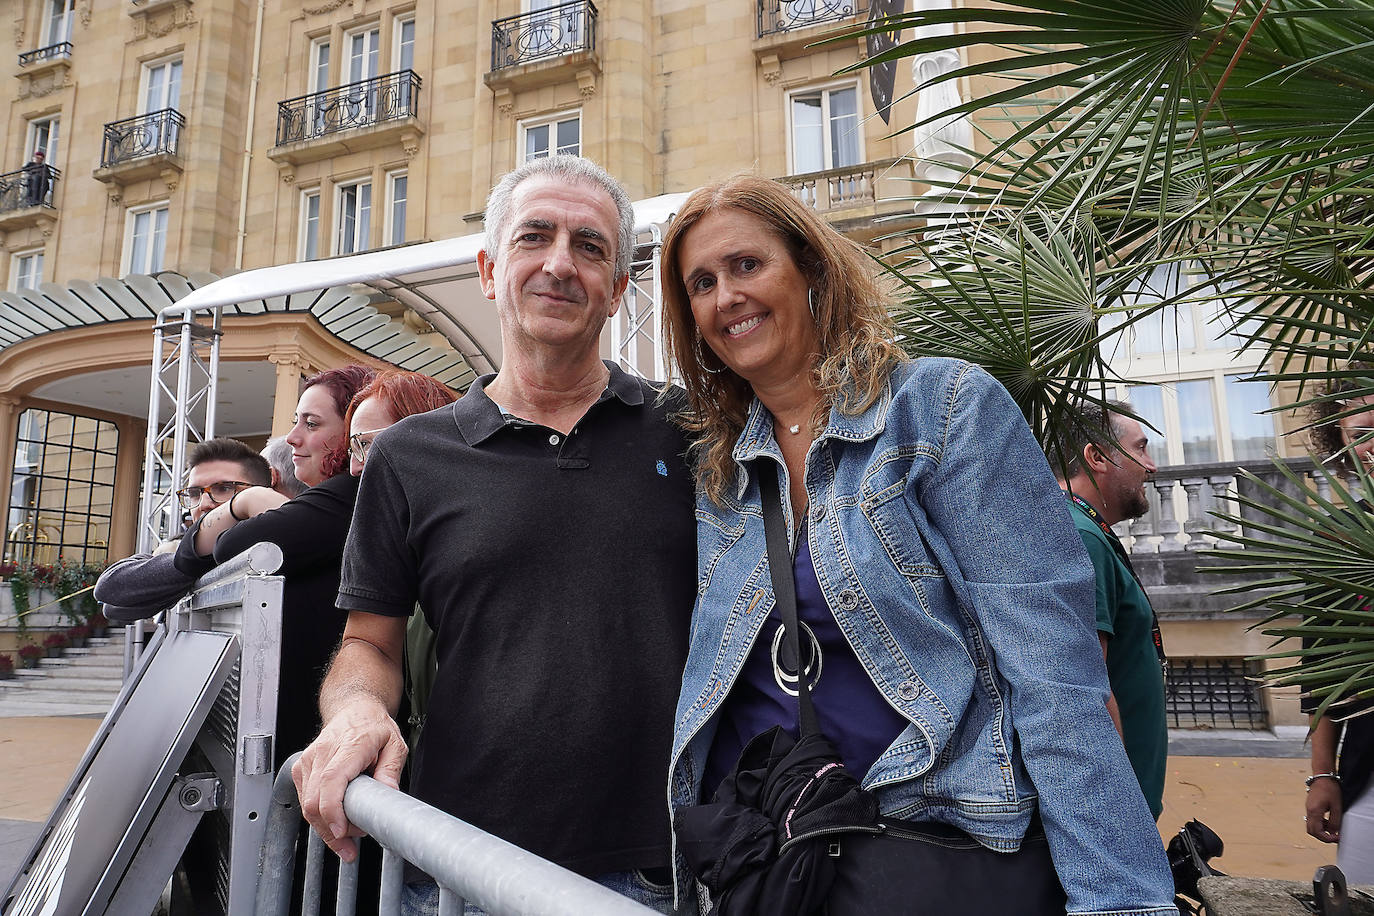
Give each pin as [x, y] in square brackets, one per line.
[497, 876]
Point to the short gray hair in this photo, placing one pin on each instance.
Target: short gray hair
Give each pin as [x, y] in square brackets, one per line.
[573, 170]
[278, 455]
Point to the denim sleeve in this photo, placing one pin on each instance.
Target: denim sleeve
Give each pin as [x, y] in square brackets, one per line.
[1020, 565]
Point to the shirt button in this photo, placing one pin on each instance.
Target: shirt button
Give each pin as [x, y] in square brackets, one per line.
[554, 440]
[849, 599]
[908, 691]
[820, 512]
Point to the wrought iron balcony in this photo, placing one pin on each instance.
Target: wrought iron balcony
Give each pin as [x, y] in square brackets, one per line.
[543, 34]
[152, 134]
[777, 16]
[383, 98]
[62, 49]
[28, 187]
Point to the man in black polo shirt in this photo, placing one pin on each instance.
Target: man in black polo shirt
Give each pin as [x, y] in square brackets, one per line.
[544, 524]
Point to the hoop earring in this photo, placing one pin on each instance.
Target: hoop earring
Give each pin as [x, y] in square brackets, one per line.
[811, 302]
[701, 360]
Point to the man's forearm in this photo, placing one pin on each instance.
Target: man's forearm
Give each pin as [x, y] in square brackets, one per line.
[361, 672]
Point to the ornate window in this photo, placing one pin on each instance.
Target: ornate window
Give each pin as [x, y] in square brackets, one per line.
[559, 135]
[26, 270]
[62, 488]
[353, 211]
[396, 192]
[145, 240]
[310, 225]
[825, 128]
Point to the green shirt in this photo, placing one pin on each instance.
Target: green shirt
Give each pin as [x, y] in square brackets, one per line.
[1124, 615]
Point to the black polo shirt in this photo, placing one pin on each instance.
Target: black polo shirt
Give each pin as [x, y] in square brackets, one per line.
[558, 573]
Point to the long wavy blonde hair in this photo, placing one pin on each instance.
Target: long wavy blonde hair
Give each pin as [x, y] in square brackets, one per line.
[853, 325]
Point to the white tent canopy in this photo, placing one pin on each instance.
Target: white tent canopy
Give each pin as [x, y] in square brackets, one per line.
[436, 280]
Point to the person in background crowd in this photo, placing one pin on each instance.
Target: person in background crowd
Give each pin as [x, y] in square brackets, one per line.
[145, 584]
[1340, 807]
[277, 451]
[37, 178]
[310, 530]
[390, 397]
[551, 714]
[948, 598]
[1104, 476]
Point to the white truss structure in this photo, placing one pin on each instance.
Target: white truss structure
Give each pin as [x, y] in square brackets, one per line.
[181, 410]
[435, 280]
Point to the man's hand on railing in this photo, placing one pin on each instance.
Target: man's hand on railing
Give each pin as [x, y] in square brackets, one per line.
[359, 738]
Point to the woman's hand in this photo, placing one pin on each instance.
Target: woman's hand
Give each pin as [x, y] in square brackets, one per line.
[242, 506]
[1324, 810]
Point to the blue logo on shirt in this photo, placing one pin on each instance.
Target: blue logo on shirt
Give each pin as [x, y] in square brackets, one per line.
[662, 468]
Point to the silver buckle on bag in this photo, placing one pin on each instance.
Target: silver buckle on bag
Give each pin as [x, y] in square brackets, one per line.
[834, 849]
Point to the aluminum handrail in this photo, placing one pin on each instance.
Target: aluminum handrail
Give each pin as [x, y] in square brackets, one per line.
[468, 864]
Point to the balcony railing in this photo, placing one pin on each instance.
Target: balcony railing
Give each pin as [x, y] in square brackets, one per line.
[28, 187]
[155, 133]
[542, 34]
[52, 52]
[787, 15]
[374, 101]
[835, 189]
[1182, 498]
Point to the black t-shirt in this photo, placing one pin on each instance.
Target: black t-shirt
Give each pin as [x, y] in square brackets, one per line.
[310, 531]
[558, 574]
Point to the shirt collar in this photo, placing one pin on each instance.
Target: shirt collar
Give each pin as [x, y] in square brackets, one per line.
[478, 417]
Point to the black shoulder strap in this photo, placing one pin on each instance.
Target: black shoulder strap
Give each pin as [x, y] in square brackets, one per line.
[785, 591]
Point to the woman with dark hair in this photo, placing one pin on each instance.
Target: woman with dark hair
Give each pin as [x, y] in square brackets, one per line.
[1340, 807]
[945, 602]
[390, 397]
[310, 529]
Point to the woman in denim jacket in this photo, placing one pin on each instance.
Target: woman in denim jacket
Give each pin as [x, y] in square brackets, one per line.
[939, 578]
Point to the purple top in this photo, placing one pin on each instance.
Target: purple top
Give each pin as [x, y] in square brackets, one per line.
[851, 710]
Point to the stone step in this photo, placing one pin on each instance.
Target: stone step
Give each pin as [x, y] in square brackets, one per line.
[27, 683]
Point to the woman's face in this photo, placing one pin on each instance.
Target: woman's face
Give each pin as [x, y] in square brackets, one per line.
[748, 297]
[1359, 425]
[369, 418]
[318, 430]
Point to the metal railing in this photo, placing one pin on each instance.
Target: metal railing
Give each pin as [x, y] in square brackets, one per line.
[52, 52]
[28, 187]
[468, 864]
[541, 34]
[151, 134]
[372, 101]
[785, 15]
[835, 189]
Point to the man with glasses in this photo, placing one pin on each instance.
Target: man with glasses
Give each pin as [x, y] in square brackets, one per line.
[147, 583]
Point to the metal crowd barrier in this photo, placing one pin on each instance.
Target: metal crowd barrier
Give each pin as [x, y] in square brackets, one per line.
[468, 864]
[187, 818]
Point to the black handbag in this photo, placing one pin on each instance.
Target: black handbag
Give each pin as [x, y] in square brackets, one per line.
[790, 832]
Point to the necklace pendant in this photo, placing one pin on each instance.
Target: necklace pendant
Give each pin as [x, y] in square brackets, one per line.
[794, 428]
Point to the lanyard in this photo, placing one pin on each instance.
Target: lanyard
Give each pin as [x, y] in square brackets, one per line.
[1125, 558]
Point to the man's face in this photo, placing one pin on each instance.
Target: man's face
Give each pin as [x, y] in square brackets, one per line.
[553, 277]
[1356, 427]
[212, 472]
[1123, 483]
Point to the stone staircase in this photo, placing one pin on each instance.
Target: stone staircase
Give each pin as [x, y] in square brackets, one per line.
[82, 682]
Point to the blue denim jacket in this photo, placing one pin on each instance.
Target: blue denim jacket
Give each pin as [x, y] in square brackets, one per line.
[944, 548]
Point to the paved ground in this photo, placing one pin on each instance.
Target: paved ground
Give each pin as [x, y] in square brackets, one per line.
[1248, 790]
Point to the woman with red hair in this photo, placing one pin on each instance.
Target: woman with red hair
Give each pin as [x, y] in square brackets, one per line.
[392, 396]
[310, 530]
